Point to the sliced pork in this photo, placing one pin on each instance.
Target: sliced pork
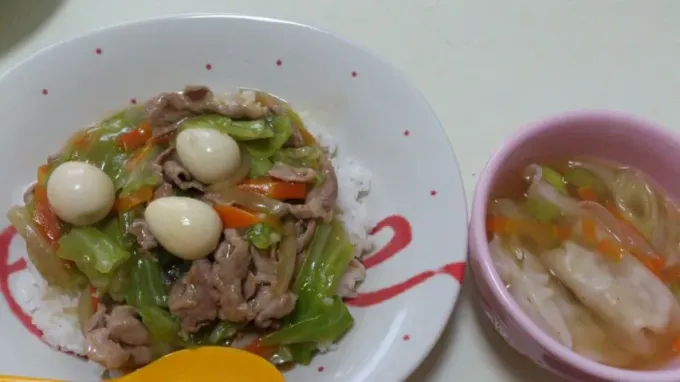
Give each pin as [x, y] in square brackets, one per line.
[193, 298]
[232, 260]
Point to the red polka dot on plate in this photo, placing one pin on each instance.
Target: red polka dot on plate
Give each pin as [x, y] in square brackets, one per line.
[98, 51]
[208, 66]
[321, 369]
[354, 74]
[279, 62]
[433, 192]
[406, 337]
[133, 101]
[406, 133]
[45, 92]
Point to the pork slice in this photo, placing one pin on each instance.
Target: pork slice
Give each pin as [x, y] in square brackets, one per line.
[351, 279]
[101, 349]
[305, 232]
[117, 340]
[164, 156]
[321, 200]
[28, 194]
[97, 320]
[193, 298]
[232, 260]
[125, 327]
[265, 266]
[180, 176]
[241, 104]
[139, 356]
[296, 139]
[167, 110]
[164, 191]
[140, 230]
[270, 307]
[168, 165]
[249, 286]
[289, 173]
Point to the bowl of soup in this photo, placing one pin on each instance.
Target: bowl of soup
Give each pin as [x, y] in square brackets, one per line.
[575, 246]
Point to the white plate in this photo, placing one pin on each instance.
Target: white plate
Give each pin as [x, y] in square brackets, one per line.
[417, 196]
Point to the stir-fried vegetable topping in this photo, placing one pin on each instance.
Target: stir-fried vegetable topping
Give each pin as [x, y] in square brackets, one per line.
[273, 267]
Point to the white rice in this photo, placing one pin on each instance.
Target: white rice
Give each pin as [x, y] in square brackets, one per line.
[54, 312]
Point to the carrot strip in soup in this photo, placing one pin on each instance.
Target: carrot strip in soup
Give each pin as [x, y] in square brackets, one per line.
[587, 193]
[234, 217]
[676, 345]
[562, 232]
[610, 249]
[496, 224]
[44, 217]
[671, 275]
[613, 209]
[589, 233]
[653, 262]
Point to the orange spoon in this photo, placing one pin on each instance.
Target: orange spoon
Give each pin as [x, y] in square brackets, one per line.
[205, 364]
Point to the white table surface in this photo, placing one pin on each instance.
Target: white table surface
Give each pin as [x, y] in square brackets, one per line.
[486, 66]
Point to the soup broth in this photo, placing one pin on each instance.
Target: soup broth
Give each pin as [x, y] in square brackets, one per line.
[590, 250]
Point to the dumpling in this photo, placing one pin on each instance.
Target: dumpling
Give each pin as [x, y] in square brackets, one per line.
[551, 306]
[637, 307]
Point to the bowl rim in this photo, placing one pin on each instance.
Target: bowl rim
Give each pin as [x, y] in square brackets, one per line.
[490, 277]
[418, 96]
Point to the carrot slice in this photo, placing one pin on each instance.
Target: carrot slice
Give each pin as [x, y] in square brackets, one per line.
[44, 217]
[562, 232]
[43, 173]
[496, 224]
[141, 196]
[94, 296]
[654, 263]
[256, 347]
[589, 233]
[275, 189]
[676, 345]
[610, 249]
[136, 138]
[671, 275]
[613, 209]
[234, 217]
[587, 193]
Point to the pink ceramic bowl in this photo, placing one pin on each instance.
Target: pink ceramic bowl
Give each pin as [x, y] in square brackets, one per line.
[608, 135]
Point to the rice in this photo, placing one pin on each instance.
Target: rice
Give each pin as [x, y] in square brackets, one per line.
[55, 313]
[354, 182]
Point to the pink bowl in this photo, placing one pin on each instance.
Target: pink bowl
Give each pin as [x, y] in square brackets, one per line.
[608, 135]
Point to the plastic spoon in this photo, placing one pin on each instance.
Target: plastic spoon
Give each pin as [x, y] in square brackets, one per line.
[205, 364]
